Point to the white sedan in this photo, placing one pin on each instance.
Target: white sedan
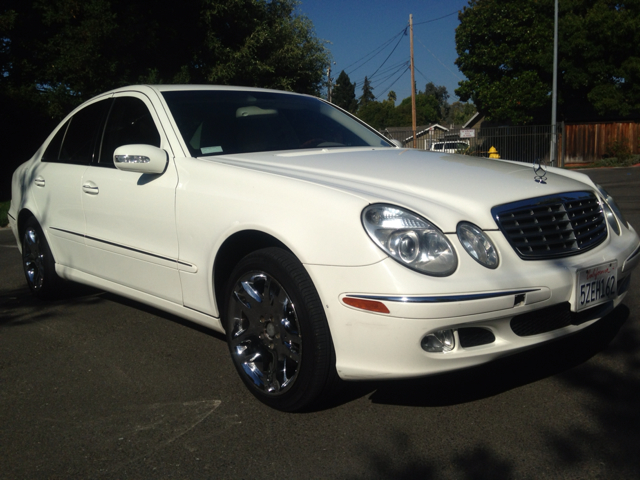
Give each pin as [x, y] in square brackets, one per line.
[321, 249]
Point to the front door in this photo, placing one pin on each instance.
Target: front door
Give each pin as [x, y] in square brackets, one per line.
[130, 217]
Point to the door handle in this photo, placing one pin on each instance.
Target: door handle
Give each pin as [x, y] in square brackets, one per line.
[90, 188]
[39, 181]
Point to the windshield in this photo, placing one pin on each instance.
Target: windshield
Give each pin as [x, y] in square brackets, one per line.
[217, 122]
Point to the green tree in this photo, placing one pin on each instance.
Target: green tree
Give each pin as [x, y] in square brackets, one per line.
[441, 95]
[54, 54]
[378, 114]
[460, 113]
[505, 49]
[260, 43]
[65, 51]
[367, 93]
[427, 111]
[344, 93]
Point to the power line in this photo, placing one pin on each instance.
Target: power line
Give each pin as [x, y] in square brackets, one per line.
[379, 49]
[385, 60]
[403, 67]
[394, 82]
[435, 19]
[393, 68]
[434, 56]
[372, 53]
[423, 75]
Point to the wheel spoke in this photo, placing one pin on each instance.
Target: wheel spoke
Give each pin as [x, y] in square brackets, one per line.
[264, 337]
[251, 291]
[33, 259]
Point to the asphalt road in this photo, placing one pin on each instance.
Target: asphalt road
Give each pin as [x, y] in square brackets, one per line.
[96, 386]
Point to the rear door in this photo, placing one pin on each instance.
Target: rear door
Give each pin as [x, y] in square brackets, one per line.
[57, 183]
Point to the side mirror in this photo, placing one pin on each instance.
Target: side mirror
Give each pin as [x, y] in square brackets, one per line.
[140, 159]
[395, 142]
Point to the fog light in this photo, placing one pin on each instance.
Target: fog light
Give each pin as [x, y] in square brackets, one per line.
[441, 341]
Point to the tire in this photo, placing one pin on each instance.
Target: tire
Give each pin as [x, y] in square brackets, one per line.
[38, 263]
[277, 331]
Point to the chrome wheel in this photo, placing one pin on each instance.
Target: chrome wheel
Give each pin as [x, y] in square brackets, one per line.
[265, 338]
[38, 263]
[33, 258]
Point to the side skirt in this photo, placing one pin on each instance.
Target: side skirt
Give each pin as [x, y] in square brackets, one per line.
[159, 303]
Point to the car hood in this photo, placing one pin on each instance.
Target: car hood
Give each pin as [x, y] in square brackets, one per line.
[445, 189]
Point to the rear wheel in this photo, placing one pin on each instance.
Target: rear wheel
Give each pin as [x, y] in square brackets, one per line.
[277, 331]
[38, 263]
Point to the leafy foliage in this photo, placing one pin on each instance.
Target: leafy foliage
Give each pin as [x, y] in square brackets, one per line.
[65, 51]
[441, 95]
[367, 93]
[431, 107]
[460, 113]
[344, 93]
[505, 49]
[55, 54]
[619, 149]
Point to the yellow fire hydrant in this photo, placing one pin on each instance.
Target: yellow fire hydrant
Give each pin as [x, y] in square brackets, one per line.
[493, 153]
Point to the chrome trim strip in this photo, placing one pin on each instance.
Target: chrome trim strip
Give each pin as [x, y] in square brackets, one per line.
[443, 298]
[126, 248]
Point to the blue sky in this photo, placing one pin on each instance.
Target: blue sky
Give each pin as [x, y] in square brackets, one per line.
[356, 28]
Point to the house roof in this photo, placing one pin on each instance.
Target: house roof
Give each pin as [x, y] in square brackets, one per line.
[472, 120]
[426, 129]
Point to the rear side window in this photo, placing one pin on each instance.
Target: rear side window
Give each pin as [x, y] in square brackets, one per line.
[81, 137]
[129, 122]
[52, 153]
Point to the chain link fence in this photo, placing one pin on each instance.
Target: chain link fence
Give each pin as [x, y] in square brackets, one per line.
[522, 144]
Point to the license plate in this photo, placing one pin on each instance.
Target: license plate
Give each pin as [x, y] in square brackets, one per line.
[596, 285]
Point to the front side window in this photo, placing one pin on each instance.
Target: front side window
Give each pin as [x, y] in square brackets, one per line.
[129, 122]
[227, 122]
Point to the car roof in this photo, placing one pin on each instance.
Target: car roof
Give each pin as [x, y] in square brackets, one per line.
[184, 87]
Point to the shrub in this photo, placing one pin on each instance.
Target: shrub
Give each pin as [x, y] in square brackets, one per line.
[618, 149]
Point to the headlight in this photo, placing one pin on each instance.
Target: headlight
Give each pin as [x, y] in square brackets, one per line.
[410, 240]
[478, 245]
[611, 202]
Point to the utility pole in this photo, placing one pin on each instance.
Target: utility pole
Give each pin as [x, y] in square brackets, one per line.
[329, 82]
[413, 84]
[554, 96]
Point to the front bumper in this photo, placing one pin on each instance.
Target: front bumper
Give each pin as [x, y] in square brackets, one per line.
[519, 305]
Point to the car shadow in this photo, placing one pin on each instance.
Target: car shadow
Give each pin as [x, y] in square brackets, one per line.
[162, 314]
[445, 389]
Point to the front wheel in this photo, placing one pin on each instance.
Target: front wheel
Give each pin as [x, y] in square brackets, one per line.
[38, 263]
[277, 331]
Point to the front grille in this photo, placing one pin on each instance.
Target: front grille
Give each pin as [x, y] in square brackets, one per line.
[553, 318]
[552, 226]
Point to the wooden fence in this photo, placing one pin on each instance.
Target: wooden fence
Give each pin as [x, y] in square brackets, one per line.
[576, 142]
[588, 142]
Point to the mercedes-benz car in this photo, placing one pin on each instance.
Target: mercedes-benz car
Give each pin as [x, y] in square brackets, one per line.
[322, 250]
